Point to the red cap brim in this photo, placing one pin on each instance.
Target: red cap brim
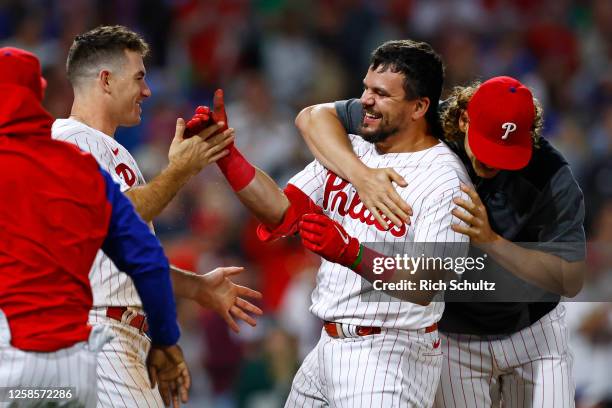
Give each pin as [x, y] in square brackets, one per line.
[499, 156]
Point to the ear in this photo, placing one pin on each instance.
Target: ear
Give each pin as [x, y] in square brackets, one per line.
[463, 122]
[104, 80]
[420, 108]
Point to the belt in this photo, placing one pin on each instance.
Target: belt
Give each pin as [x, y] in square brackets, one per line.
[128, 316]
[339, 330]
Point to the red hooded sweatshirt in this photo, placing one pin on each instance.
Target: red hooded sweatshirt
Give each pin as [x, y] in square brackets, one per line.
[54, 216]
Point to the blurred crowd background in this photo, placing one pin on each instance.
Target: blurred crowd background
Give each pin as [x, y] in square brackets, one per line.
[274, 57]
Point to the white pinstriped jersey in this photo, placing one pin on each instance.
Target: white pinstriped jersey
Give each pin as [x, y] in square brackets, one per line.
[110, 287]
[433, 177]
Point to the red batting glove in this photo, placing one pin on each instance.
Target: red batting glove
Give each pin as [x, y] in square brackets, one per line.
[218, 114]
[326, 237]
[200, 121]
[204, 117]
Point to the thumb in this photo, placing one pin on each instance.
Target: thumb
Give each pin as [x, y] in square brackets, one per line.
[219, 107]
[218, 104]
[232, 270]
[180, 129]
[394, 176]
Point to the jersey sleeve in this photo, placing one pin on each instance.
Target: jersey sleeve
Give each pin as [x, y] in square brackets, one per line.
[433, 234]
[311, 181]
[561, 218]
[135, 250]
[350, 114]
[94, 146]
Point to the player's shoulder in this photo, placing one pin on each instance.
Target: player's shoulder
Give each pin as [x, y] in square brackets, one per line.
[360, 146]
[67, 154]
[448, 160]
[434, 161]
[85, 138]
[441, 170]
[547, 164]
[71, 130]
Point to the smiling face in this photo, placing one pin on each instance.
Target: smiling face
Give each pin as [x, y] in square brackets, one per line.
[129, 89]
[386, 111]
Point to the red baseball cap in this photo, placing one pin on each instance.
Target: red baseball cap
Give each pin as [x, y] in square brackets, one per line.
[501, 114]
[20, 67]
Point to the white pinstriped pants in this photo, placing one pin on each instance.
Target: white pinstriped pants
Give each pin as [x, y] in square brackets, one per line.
[530, 368]
[396, 368]
[122, 375]
[73, 366]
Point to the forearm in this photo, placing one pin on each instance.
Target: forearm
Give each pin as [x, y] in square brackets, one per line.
[150, 200]
[264, 199]
[546, 271]
[328, 140]
[184, 283]
[405, 282]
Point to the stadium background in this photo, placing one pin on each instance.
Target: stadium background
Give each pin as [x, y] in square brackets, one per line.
[274, 57]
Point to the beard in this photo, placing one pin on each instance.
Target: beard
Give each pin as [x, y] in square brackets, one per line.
[383, 131]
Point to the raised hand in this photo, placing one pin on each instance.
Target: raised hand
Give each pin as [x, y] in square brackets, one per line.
[217, 292]
[200, 121]
[192, 154]
[203, 117]
[219, 114]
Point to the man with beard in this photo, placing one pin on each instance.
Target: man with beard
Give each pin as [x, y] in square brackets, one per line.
[510, 345]
[374, 350]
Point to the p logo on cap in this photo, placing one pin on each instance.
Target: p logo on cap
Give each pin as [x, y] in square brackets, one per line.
[501, 114]
[508, 127]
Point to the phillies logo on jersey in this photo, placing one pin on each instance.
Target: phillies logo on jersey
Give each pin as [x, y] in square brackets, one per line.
[126, 174]
[334, 199]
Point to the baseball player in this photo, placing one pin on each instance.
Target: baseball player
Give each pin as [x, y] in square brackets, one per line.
[374, 350]
[59, 209]
[105, 67]
[513, 353]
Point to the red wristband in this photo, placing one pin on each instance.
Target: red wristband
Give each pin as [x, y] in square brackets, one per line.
[236, 169]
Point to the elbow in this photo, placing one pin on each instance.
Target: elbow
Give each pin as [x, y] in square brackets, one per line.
[573, 279]
[573, 288]
[303, 118]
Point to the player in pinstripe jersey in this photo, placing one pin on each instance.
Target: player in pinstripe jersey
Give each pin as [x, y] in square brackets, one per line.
[375, 350]
[105, 67]
[511, 350]
[51, 231]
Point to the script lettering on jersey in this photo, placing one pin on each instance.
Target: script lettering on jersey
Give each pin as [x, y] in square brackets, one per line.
[335, 199]
[126, 173]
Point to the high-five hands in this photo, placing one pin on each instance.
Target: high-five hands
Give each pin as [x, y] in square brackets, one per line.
[190, 155]
[204, 117]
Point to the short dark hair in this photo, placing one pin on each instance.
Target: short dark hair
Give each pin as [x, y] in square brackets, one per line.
[100, 45]
[423, 71]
